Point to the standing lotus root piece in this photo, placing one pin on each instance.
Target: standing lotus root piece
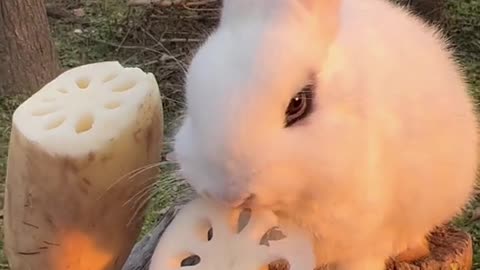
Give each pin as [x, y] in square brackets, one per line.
[75, 190]
[205, 236]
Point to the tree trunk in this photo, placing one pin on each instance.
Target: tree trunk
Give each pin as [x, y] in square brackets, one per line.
[27, 52]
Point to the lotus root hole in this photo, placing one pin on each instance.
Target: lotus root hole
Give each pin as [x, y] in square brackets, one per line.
[277, 264]
[110, 77]
[125, 86]
[55, 123]
[273, 234]
[43, 111]
[190, 261]
[84, 124]
[83, 83]
[243, 219]
[112, 105]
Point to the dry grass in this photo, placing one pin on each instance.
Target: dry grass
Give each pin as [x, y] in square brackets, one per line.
[158, 40]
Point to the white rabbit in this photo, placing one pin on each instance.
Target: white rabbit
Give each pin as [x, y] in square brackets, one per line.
[349, 117]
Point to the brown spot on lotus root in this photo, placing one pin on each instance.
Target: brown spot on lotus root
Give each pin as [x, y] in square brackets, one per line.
[83, 189]
[86, 181]
[70, 166]
[149, 136]
[49, 220]
[106, 158]
[91, 156]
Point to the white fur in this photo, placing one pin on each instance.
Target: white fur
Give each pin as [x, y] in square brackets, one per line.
[389, 151]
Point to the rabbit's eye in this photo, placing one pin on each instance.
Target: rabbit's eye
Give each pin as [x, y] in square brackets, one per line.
[299, 107]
